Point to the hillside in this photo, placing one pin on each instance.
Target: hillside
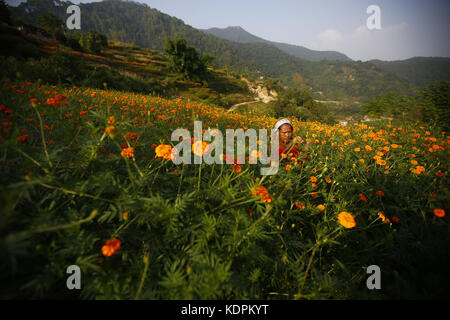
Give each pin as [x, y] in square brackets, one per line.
[120, 66]
[419, 70]
[136, 23]
[238, 34]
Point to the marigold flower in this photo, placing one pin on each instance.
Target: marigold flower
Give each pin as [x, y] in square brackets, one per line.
[440, 213]
[346, 220]
[164, 151]
[380, 193]
[200, 148]
[320, 207]
[111, 247]
[128, 152]
[111, 131]
[313, 179]
[237, 168]
[300, 205]
[111, 120]
[23, 138]
[395, 219]
[328, 180]
[262, 192]
[362, 197]
[383, 217]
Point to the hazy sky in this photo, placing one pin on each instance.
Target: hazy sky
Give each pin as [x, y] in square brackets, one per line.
[409, 28]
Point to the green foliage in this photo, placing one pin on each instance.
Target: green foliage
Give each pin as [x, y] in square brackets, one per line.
[430, 105]
[300, 104]
[93, 42]
[185, 59]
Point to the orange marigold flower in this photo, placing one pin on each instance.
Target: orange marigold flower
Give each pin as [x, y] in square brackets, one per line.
[164, 151]
[125, 215]
[128, 152]
[111, 120]
[328, 180]
[313, 179]
[300, 205]
[440, 213]
[262, 192]
[111, 131]
[320, 207]
[362, 197]
[383, 217]
[380, 193]
[237, 168]
[346, 220]
[111, 247]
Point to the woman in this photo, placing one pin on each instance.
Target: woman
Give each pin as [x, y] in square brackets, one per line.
[288, 145]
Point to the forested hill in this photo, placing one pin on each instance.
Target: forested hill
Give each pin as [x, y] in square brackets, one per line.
[419, 70]
[238, 34]
[132, 22]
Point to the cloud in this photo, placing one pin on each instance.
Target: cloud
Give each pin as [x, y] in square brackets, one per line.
[330, 35]
[388, 43]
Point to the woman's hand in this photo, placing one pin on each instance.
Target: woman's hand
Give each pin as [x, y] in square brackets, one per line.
[298, 140]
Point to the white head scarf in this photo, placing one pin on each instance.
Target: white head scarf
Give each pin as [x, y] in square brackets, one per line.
[280, 123]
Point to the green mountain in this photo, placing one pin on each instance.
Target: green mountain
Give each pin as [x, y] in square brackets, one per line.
[238, 34]
[419, 70]
[132, 22]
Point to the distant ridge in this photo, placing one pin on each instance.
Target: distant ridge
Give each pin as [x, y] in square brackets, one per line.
[238, 34]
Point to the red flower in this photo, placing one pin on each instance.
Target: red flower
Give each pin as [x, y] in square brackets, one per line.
[110, 247]
[362, 197]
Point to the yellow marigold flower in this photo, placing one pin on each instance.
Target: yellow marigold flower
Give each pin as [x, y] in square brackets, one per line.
[200, 147]
[164, 151]
[368, 148]
[357, 149]
[346, 220]
[320, 207]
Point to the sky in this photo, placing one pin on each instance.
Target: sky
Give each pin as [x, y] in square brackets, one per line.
[409, 28]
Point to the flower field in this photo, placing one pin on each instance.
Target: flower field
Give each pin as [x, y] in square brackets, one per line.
[87, 180]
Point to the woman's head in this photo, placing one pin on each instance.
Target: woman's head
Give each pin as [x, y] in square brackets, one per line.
[285, 130]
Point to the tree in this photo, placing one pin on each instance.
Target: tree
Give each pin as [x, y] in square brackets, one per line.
[93, 41]
[50, 23]
[5, 16]
[185, 59]
[434, 101]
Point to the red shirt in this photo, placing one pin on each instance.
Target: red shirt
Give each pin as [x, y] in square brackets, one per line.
[295, 151]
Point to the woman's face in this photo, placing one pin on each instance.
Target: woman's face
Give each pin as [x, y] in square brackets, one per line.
[285, 133]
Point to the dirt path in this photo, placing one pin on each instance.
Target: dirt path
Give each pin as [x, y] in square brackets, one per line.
[242, 103]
